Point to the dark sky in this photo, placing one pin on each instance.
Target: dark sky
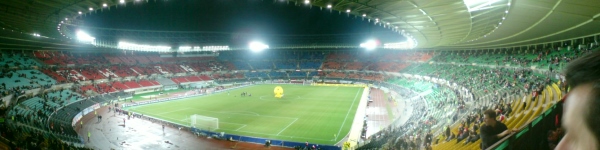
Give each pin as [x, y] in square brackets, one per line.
[262, 17]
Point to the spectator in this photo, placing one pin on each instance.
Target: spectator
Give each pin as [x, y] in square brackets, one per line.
[428, 138]
[581, 112]
[473, 136]
[493, 130]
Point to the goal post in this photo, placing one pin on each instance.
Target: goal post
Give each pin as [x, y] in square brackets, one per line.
[204, 122]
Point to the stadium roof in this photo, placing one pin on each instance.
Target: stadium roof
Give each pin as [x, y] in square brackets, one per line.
[433, 23]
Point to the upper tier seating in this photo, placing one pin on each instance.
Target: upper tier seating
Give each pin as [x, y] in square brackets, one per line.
[257, 75]
[67, 58]
[336, 75]
[17, 60]
[388, 66]
[261, 65]
[25, 78]
[332, 65]
[297, 74]
[285, 64]
[354, 66]
[310, 64]
[277, 75]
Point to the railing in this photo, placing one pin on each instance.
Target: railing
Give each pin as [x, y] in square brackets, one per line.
[530, 135]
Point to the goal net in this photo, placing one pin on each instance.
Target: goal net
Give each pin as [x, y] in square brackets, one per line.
[204, 122]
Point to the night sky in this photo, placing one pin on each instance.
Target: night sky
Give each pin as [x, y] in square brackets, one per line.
[257, 17]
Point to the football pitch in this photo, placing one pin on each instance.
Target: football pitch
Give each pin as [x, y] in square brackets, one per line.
[305, 113]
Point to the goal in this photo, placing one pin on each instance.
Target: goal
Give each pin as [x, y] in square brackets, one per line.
[204, 122]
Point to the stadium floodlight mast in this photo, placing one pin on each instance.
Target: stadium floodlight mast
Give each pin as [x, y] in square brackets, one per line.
[369, 45]
[257, 46]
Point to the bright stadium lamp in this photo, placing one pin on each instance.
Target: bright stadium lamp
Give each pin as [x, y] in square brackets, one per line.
[257, 46]
[369, 45]
[84, 37]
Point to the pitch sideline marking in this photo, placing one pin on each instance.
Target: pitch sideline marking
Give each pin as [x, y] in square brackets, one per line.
[287, 126]
[299, 137]
[338, 134]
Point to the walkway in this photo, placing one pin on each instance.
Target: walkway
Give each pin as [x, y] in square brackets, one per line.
[112, 133]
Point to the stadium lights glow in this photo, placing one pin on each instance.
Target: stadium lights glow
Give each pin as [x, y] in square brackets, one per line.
[214, 48]
[475, 5]
[133, 46]
[66, 18]
[306, 1]
[328, 5]
[364, 15]
[347, 10]
[79, 12]
[186, 48]
[84, 37]
[369, 45]
[257, 46]
[104, 5]
[91, 9]
[122, 1]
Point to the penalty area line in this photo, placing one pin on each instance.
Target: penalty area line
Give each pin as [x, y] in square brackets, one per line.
[287, 126]
[240, 128]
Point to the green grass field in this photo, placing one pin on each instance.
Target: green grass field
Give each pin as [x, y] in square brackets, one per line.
[305, 113]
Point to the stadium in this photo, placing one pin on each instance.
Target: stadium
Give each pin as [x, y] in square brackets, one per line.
[299, 74]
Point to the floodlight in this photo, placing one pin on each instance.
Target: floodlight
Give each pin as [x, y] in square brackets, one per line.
[347, 10]
[186, 48]
[66, 18]
[328, 5]
[369, 45]
[257, 46]
[91, 9]
[475, 5]
[104, 5]
[364, 15]
[306, 1]
[122, 1]
[84, 37]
